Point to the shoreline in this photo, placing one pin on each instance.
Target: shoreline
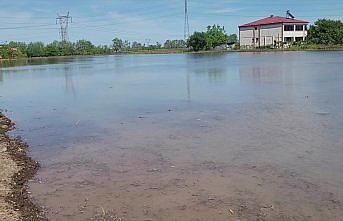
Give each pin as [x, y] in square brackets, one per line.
[179, 51]
[16, 170]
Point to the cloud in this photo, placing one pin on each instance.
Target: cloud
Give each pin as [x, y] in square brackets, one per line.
[224, 10]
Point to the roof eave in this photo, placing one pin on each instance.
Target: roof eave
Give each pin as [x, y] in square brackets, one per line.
[247, 26]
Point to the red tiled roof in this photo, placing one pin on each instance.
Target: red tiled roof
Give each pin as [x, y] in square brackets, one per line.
[273, 20]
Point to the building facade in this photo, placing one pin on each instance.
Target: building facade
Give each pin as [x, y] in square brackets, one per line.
[272, 31]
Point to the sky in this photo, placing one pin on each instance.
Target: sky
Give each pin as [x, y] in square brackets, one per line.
[145, 21]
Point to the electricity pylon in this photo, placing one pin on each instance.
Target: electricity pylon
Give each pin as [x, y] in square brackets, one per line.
[63, 21]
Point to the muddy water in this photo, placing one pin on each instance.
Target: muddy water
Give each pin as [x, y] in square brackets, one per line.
[183, 137]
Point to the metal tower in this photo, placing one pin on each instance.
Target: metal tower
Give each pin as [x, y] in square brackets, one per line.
[186, 25]
[63, 21]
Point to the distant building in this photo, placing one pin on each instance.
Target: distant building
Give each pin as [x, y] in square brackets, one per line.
[272, 31]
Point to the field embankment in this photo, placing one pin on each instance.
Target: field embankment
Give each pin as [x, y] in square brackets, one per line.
[16, 168]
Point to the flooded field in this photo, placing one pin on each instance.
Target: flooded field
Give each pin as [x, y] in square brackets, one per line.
[237, 136]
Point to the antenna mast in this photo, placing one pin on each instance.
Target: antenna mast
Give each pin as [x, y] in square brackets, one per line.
[63, 21]
[186, 25]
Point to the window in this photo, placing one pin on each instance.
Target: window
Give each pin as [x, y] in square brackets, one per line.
[305, 26]
[299, 39]
[288, 39]
[289, 28]
[256, 39]
[299, 27]
[253, 40]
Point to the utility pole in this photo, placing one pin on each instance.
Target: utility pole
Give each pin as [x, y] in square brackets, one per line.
[63, 21]
[186, 25]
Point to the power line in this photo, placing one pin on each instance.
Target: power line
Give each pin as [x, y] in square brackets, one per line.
[28, 26]
[63, 20]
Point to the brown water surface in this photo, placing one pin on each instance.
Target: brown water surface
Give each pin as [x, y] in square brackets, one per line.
[183, 137]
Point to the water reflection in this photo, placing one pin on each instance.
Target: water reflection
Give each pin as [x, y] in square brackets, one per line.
[258, 74]
[42, 61]
[69, 84]
[210, 65]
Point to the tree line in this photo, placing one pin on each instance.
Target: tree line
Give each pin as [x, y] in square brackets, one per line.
[80, 47]
[56, 48]
[120, 45]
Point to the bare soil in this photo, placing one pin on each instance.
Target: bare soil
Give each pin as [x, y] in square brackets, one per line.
[16, 169]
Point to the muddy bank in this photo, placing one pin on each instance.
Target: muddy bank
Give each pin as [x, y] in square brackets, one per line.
[16, 169]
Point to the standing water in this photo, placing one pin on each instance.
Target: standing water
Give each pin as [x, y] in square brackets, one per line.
[237, 136]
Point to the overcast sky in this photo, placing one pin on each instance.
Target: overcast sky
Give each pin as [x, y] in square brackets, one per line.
[139, 20]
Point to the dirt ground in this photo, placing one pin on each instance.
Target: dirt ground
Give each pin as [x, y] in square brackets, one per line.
[16, 168]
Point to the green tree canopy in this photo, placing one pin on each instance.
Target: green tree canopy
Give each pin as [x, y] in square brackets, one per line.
[213, 37]
[84, 47]
[233, 38]
[118, 44]
[66, 48]
[35, 49]
[136, 45]
[325, 31]
[20, 45]
[216, 36]
[52, 49]
[197, 41]
[171, 44]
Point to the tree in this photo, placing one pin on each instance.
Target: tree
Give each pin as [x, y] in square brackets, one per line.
[35, 49]
[9, 51]
[213, 37]
[233, 38]
[197, 41]
[83, 47]
[52, 49]
[216, 36]
[66, 48]
[103, 49]
[325, 31]
[22, 46]
[126, 45]
[154, 46]
[169, 44]
[136, 46]
[118, 44]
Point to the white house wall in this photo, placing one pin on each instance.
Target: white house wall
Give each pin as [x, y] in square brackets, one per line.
[246, 35]
[294, 34]
[270, 34]
[263, 36]
[266, 35]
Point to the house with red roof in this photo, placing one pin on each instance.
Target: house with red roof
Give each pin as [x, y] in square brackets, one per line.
[272, 31]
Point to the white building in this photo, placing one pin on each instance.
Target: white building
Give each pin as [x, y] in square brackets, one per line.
[272, 31]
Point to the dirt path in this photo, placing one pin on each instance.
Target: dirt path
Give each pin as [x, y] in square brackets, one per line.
[16, 168]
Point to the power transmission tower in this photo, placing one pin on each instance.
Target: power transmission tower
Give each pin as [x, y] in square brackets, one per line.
[63, 21]
[186, 26]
